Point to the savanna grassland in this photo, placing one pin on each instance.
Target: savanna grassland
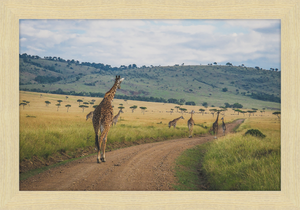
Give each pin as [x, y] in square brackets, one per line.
[235, 161]
[45, 130]
[242, 162]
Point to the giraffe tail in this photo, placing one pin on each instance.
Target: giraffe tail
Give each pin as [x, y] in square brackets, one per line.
[97, 142]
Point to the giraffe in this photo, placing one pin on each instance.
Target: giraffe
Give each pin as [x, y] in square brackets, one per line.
[102, 119]
[173, 122]
[215, 125]
[223, 126]
[89, 115]
[191, 124]
[115, 119]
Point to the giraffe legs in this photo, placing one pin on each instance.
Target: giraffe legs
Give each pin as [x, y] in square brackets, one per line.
[216, 133]
[191, 131]
[102, 139]
[104, 146]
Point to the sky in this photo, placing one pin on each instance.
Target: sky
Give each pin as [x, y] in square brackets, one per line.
[155, 42]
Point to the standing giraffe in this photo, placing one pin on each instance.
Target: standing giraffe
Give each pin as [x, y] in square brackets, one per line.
[223, 126]
[115, 119]
[215, 125]
[191, 124]
[102, 118]
[173, 122]
[89, 115]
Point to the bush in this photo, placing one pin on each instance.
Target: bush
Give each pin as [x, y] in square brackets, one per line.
[190, 103]
[255, 132]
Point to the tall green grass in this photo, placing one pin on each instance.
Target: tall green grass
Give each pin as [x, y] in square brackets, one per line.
[243, 163]
[239, 162]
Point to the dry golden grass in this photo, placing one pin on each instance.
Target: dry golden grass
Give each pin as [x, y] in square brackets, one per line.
[46, 130]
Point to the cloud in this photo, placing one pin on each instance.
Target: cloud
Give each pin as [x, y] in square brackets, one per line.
[154, 42]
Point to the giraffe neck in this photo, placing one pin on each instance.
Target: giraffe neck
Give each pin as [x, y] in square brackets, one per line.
[217, 118]
[177, 119]
[118, 113]
[111, 93]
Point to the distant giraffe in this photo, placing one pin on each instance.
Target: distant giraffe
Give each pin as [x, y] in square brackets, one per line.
[115, 119]
[191, 124]
[216, 126]
[223, 126]
[89, 115]
[173, 122]
[102, 118]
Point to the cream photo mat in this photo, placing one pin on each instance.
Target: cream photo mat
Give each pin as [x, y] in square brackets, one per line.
[11, 11]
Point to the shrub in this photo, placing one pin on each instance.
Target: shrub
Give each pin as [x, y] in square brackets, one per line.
[224, 89]
[255, 132]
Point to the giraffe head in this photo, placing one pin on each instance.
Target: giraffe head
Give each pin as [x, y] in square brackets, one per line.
[118, 81]
[192, 112]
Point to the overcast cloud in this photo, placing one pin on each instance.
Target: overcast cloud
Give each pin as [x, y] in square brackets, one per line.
[155, 42]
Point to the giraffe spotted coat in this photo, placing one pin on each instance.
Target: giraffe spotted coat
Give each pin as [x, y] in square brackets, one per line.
[102, 119]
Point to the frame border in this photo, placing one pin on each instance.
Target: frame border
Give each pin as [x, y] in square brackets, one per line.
[11, 11]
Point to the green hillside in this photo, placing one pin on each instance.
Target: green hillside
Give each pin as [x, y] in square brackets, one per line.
[214, 84]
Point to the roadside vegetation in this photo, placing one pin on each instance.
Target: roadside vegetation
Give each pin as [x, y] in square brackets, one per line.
[236, 161]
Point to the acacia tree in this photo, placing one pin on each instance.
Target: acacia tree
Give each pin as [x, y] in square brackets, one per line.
[23, 104]
[143, 109]
[277, 114]
[243, 112]
[182, 110]
[133, 108]
[68, 106]
[202, 111]
[213, 111]
[121, 107]
[86, 103]
[58, 105]
[251, 112]
[95, 106]
[27, 102]
[177, 107]
[59, 101]
[83, 106]
[47, 103]
[171, 111]
[79, 101]
[238, 111]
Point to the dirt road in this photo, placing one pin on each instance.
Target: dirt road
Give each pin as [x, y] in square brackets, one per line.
[143, 167]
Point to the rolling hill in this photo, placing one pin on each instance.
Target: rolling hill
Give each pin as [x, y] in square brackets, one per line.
[214, 84]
